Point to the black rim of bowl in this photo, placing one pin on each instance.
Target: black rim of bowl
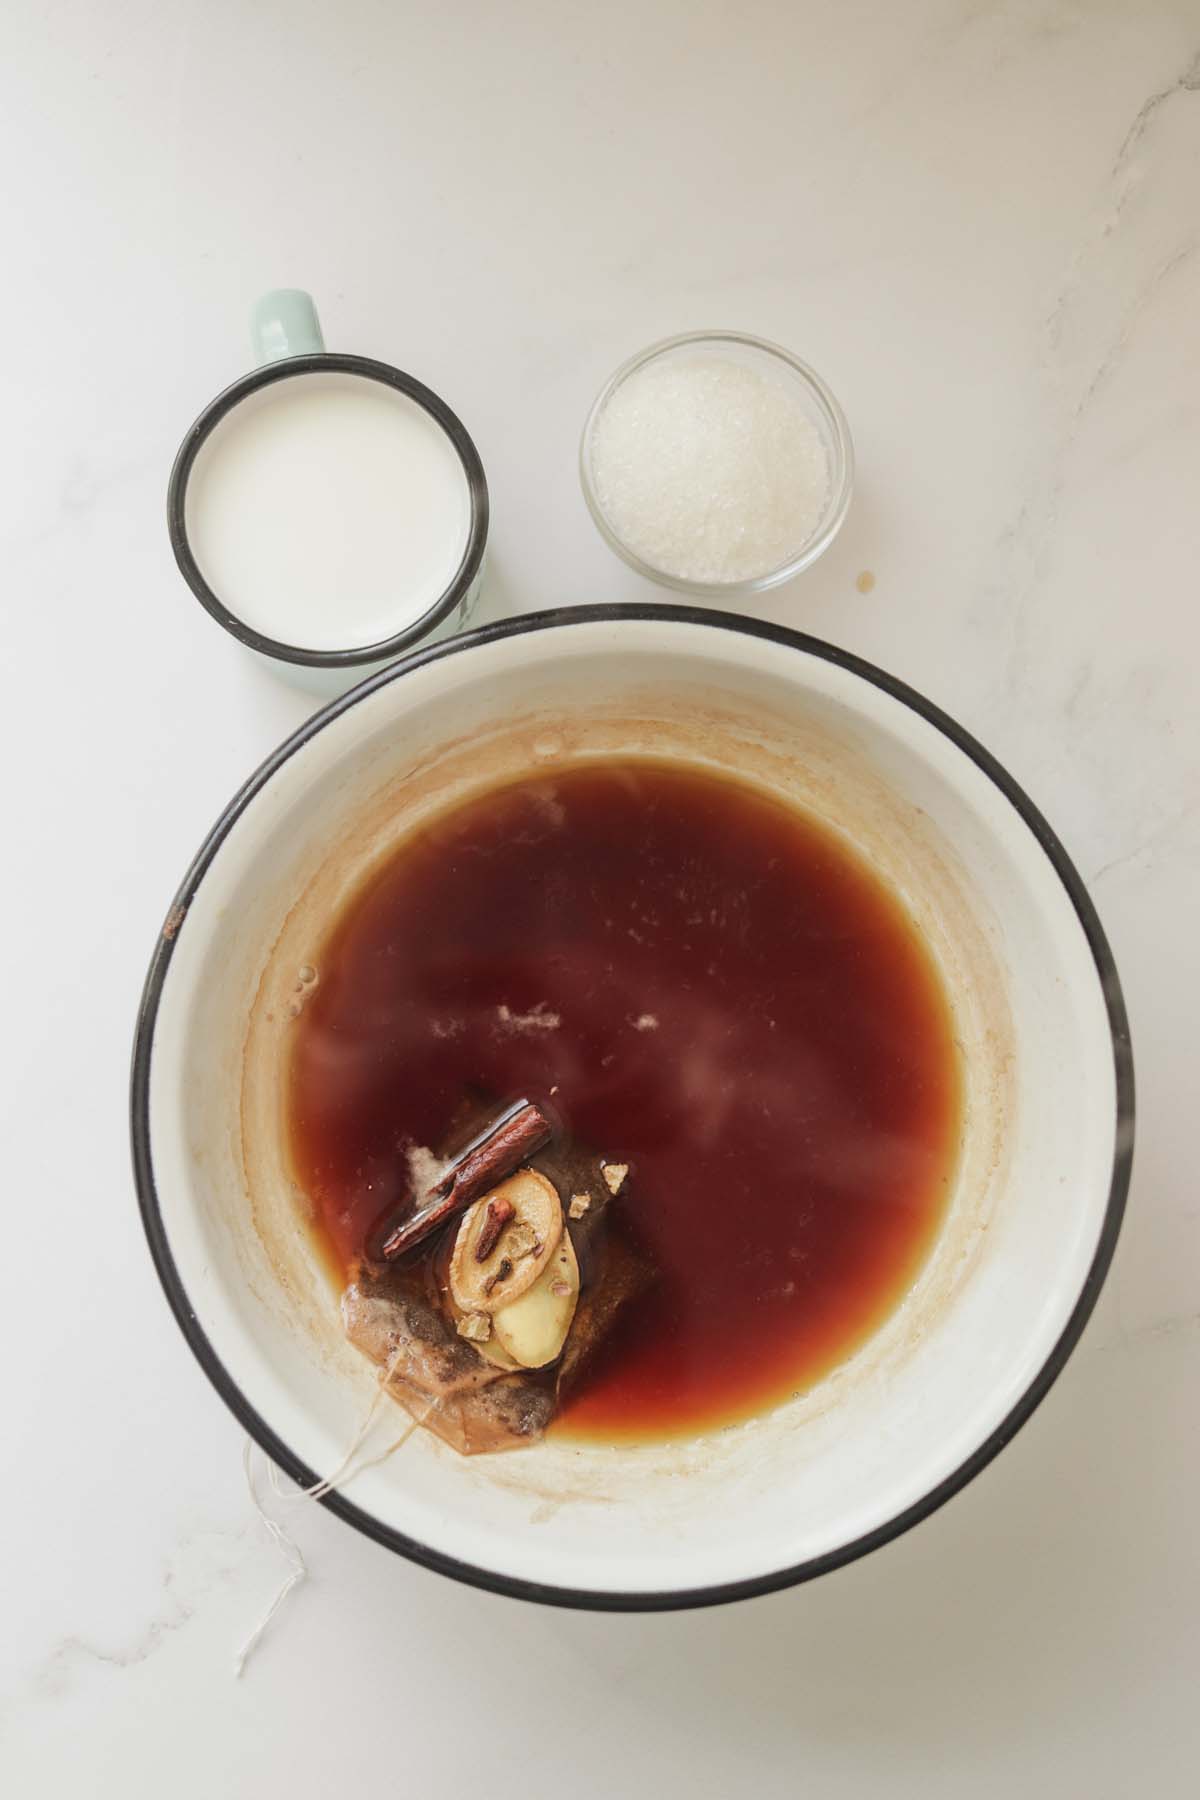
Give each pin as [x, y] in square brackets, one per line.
[328, 362]
[668, 1599]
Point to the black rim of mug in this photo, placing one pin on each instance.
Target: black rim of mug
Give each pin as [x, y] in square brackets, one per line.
[328, 362]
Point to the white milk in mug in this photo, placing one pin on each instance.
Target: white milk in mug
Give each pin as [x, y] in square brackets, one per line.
[330, 512]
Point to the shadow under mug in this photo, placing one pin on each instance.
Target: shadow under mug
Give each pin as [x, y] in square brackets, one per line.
[289, 345]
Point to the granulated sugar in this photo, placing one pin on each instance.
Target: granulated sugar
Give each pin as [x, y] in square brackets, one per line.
[709, 470]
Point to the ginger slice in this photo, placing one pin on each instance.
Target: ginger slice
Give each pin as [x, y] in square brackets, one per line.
[504, 1242]
[534, 1327]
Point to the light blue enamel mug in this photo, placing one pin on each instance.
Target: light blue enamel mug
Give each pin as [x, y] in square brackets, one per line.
[329, 510]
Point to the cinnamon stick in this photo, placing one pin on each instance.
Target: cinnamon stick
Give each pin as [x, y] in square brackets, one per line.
[511, 1142]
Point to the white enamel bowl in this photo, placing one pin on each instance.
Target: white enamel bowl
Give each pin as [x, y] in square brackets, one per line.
[1043, 1168]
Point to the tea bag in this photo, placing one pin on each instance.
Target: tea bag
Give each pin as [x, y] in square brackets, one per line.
[476, 1406]
[391, 1314]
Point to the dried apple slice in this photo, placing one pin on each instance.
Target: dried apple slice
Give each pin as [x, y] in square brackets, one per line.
[533, 1328]
[505, 1241]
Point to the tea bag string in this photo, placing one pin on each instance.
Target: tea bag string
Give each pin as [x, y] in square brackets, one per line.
[343, 1474]
[341, 1477]
[289, 1549]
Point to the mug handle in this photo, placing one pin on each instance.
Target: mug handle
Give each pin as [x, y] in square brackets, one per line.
[285, 323]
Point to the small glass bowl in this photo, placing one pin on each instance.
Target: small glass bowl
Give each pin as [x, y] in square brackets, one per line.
[818, 403]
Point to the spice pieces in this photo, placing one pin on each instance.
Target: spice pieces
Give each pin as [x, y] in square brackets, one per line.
[500, 1313]
[522, 1240]
[512, 1281]
[514, 1263]
[517, 1228]
[499, 1213]
[500, 1273]
[511, 1142]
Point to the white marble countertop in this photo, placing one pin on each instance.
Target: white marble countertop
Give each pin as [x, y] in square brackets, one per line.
[980, 223]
